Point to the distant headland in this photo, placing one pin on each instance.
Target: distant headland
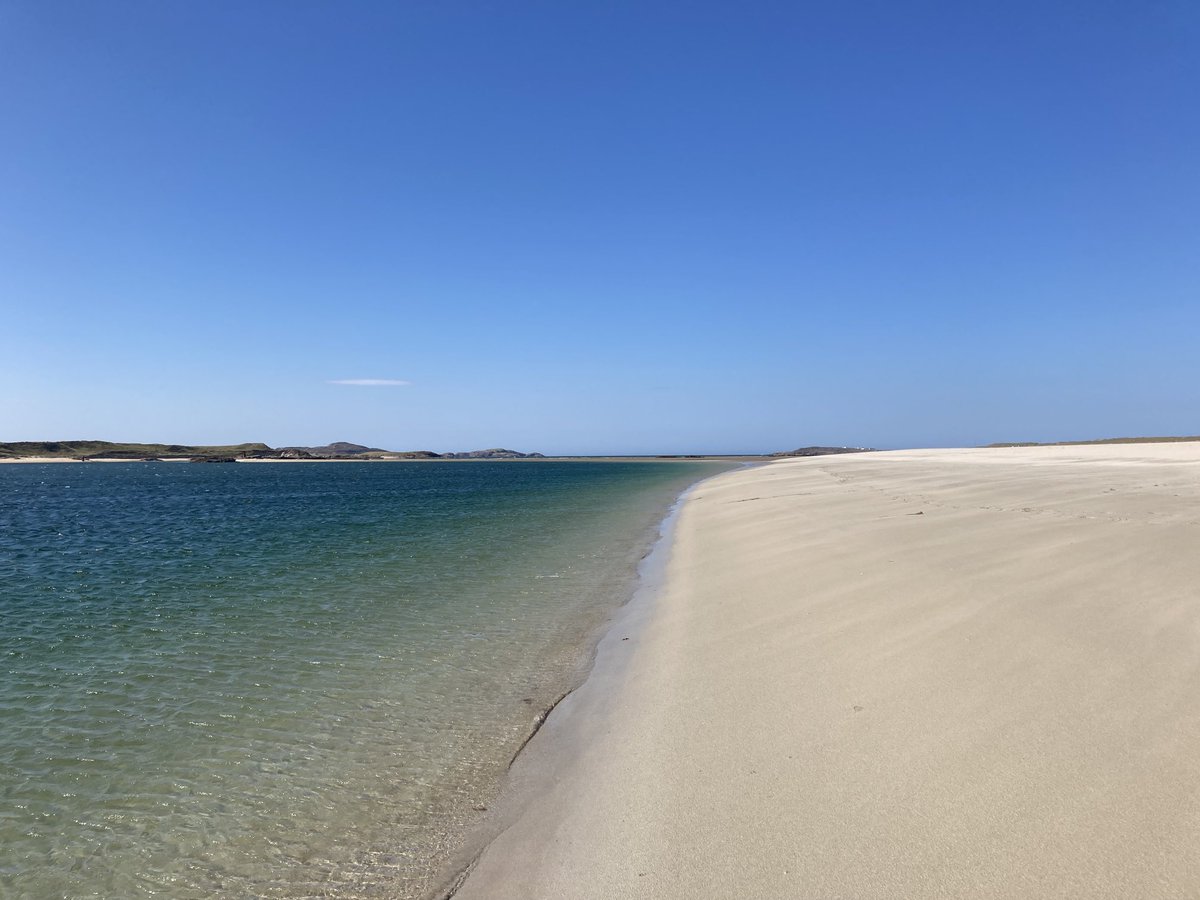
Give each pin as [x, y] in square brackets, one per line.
[822, 451]
[345, 451]
[86, 451]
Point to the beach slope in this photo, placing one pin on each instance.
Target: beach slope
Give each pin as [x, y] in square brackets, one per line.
[956, 673]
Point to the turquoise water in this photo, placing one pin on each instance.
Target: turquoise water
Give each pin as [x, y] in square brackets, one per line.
[288, 680]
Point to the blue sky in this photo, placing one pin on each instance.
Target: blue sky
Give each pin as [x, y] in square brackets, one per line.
[595, 227]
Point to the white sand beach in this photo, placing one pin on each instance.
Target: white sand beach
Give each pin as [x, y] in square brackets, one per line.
[38, 459]
[915, 674]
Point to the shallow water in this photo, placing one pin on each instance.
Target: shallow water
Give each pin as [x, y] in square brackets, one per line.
[288, 680]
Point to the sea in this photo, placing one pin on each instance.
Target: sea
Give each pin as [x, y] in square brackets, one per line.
[294, 679]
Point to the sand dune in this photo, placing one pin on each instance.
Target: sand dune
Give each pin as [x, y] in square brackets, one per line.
[958, 673]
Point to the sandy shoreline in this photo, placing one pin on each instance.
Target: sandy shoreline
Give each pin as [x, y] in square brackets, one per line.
[961, 673]
[39, 459]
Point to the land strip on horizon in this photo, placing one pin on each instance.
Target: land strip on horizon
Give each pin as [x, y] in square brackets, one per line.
[344, 451]
[108, 451]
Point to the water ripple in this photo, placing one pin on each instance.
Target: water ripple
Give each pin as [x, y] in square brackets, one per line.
[290, 680]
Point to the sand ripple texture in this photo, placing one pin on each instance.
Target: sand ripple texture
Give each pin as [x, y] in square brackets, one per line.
[292, 680]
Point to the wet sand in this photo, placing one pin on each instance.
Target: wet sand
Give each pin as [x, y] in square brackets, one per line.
[944, 673]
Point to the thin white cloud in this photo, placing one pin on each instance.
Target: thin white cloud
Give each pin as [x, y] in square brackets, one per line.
[371, 382]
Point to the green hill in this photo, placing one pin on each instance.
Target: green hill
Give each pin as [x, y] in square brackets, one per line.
[109, 450]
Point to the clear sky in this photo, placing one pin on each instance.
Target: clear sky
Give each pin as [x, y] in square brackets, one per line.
[588, 227]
